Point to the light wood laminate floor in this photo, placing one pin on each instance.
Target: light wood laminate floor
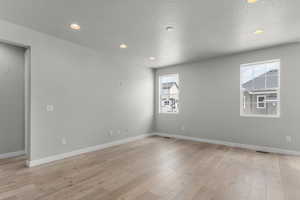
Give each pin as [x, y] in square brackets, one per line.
[156, 168]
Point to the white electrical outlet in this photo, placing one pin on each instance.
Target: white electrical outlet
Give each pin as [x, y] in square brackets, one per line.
[49, 108]
[288, 139]
[64, 141]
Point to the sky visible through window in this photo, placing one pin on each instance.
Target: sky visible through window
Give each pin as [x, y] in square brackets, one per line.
[168, 79]
[251, 72]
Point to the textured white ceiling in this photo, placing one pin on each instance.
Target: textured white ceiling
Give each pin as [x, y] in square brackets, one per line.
[203, 28]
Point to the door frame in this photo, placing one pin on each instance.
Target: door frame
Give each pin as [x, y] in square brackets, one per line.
[27, 96]
[27, 100]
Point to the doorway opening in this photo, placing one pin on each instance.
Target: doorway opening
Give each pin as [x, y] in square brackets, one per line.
[14, 101]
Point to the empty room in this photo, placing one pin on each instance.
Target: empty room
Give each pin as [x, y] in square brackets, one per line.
[149, 100]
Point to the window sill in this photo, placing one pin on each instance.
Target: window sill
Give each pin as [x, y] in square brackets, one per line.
[260, 116]
[166, 113]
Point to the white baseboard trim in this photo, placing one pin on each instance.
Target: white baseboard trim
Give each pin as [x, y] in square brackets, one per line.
[12, 154]
[232, 144]
[41, 161]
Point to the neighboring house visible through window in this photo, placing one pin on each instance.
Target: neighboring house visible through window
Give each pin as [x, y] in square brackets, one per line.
[168, 93]
[260, 89]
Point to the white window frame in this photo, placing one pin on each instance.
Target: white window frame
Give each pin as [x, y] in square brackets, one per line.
[159, 88]
[259, 102]
[242, 114]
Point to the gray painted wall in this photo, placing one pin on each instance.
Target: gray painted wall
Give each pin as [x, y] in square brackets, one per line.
[210, 95]
[91, 93]
[12, 135]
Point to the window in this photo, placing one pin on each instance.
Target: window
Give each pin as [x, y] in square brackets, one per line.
[260, 89]
[168, 93]
[261, 102]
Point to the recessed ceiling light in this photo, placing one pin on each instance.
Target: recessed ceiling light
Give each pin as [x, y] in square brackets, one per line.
[75, 26]
[123, 46]
[258, 31]
[170, 28]
[252, 1]
[152, 58]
